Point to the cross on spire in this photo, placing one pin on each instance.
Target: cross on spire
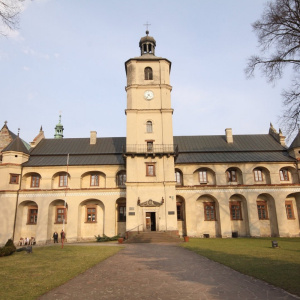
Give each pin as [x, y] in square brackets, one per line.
[147, 25]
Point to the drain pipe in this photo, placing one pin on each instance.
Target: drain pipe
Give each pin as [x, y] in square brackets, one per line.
[17, 202]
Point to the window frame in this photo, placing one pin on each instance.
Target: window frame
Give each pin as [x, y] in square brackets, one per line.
[179, 211]
[258, 175]
[35, 181]
[264, 210]
[202, 174]
[14, 178]
[63, 214]
[284, 174]
[289, 211]
[211, 211]
[122, 212]
[148, 72]
[61, 181]
[92, 213]
[30, 214]
[149, 126]
[92, 182]
[238, 205]
[150, 146]
[180, 181]
[230, 176]
[121, 182]
[148, 169]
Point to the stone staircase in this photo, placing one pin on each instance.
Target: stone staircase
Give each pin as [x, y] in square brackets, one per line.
[154, 237]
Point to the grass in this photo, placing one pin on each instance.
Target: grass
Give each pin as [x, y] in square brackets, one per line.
[27, 276]
[256, 257]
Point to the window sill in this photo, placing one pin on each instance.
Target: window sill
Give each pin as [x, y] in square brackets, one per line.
[210, 220]
[90, 222]
[60, 223]
[122, 221]
[30, 223]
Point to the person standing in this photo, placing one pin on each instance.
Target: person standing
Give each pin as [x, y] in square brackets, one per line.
[55, 237]
[62, 236]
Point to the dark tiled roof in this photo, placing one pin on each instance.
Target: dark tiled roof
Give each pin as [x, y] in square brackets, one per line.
[75, 160]
[296, 141]
[228, 157]
[192, 149]
[215, 143]
[110, 145]
[53, 152]
[16, 145]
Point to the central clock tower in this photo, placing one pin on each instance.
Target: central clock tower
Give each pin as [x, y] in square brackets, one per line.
[150, 152]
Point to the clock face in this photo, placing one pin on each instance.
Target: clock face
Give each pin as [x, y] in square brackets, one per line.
[148, 95]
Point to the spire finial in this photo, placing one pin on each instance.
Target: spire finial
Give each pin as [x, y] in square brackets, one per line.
[5, 123]
[147, 25]
[18, 131]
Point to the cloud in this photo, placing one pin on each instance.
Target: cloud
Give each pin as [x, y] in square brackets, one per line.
[31, 52]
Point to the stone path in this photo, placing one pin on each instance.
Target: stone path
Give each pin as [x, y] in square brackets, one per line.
[163, 271]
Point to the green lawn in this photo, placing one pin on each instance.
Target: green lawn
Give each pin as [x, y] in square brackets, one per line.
[256, 257]
[27, 276]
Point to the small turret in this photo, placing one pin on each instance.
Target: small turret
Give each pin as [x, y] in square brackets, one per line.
[147, 44]
[59, 130]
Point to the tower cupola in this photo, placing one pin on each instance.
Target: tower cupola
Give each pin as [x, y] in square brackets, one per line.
[59, 130]
[147, 44]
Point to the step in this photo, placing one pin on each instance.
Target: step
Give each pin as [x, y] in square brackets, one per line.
[154, 237]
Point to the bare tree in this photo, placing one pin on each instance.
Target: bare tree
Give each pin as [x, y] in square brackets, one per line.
[9, 14]
[278, 32]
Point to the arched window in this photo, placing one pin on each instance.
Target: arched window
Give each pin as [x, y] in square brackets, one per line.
[149, 126]
[148, 74]
[178, 177]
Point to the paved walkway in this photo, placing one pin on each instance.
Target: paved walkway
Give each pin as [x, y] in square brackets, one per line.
[163, 271]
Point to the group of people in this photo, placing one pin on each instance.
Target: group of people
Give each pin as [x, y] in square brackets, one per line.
[27, 241]
[62, 236]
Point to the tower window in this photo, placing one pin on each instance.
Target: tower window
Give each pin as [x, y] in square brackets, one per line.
[149, 126]
[148, 73]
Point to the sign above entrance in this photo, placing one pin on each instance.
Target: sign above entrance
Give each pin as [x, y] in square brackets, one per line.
[150, 203]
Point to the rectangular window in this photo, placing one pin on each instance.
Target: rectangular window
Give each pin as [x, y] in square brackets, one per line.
[91, 214]
[284, 175]
[149, 146]
[258, 175]
[32, 215]
[209, 211]
[289, 210]
[121, 179]
[150, 170]
[94, 180]
[236, 210]
[178, 178]
[232, 177]
[35, 181]
[179, 211]
[203, 176]
[14, 178]
[63, 180]
[262, 209]
[122, 213]
[61, 215]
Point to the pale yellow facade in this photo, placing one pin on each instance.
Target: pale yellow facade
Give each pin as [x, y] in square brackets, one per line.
[165, 188]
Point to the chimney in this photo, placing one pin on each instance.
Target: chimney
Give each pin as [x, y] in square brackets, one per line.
[93, 138]
[229, 137]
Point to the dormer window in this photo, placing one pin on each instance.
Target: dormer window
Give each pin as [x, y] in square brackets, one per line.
[148, 73]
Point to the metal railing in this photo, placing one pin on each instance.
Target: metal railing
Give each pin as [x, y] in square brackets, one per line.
[153, 148]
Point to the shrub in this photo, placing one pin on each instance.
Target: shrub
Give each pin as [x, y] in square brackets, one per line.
[106, 238]
[8, 249]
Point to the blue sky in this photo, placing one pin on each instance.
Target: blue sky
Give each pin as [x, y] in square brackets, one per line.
[68, 56]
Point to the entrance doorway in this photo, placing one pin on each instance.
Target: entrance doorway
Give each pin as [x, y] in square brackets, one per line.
[150, 221]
